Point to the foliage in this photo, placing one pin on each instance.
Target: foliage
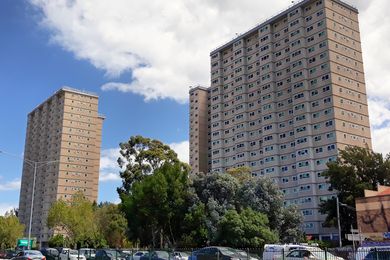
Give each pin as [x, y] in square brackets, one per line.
[242, 174]
[156, 206]
[140, 157]
[290, 228]
[245, 229]
[263, 195]
[161, 203]
[58, 241]
[77, 219]
[10, 230]
[112, 224]
[195, 231]
[355, 170]
[217, 192]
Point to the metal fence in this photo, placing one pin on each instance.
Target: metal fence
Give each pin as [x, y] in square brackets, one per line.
[363, 253]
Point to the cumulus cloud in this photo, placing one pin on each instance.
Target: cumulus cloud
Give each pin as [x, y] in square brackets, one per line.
[109, 176]
[182, 149]
[4, 207]
[165, 45]
[10, 185]
[109, 169]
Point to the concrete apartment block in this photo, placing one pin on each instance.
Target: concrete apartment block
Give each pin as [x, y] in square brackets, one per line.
[68, 129]
[284, 97]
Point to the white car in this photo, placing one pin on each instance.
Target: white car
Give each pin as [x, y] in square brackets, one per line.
[363, 252]
[276, 251]
[180, 255]
[70, 254]
[312, 254]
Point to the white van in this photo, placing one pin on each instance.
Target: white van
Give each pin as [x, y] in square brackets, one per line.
[363, 251]
[275, 251]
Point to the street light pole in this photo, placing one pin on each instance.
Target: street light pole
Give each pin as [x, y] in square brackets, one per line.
[338, 221]
[35, 165]
[32, 206]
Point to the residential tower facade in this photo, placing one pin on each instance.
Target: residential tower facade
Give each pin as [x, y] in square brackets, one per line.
[284, 98]
[64, 136]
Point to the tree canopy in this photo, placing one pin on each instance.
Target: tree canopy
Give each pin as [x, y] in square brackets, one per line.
[165, 206]
[10, 230]
[141, 156]
[77, 219]
[156, 206]
[355, 170]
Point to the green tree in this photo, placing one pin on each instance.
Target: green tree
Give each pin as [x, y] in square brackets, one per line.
[141, 156]
[217, 192]
[263, 195]
[112, 224]
[355, 170]
[242, 174]
[10, 230]
[58, 241]
[245, 229]
[195, 232]
[77, 219]
[156, 205]
[290, 229]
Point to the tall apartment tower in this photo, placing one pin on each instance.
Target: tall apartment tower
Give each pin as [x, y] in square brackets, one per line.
[284, 98]
[64, 136]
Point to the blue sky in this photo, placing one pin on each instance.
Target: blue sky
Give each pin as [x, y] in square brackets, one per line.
[140, 57]
[32, 69]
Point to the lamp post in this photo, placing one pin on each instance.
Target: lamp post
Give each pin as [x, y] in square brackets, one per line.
[338, 217]
[36, 165]
[338, 221]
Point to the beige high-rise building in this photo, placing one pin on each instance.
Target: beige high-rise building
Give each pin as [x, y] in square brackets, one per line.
[284, 97]
[66, 129]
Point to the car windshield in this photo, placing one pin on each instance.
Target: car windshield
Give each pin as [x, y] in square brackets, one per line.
[112, 253]
[33, 252]
[228, 251]
[162, 254]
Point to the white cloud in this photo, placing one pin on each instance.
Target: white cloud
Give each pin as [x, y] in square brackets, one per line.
[4, 207]
[108, 158]
[182, 149]
[10, 185]
[109, 176]
[166, 44]
[109, 169]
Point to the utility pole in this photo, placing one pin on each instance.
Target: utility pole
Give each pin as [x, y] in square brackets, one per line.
[338, 221]
[32, 206]
[35, 165]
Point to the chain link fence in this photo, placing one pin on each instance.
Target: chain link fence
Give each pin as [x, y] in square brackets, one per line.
[220, 253]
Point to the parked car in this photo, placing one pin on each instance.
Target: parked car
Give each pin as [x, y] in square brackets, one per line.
[180, 255]
[89, 253]
[246, 255]
[137, 255]
[216, 253]
[29, 255]
[366, 252]
[10, 253]
[378, 255]
[109, 254]
[70, 254]
[310, 253]
[276, 251]
[50, 253]
[156, 255]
